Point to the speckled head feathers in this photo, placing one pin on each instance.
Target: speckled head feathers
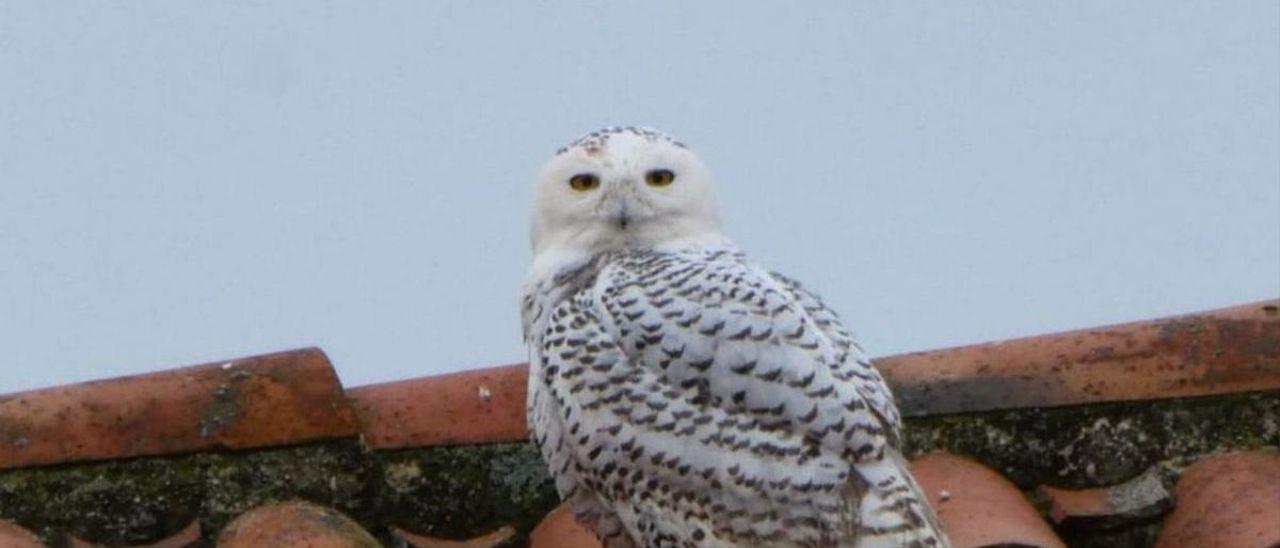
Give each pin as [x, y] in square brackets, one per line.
[599, 138]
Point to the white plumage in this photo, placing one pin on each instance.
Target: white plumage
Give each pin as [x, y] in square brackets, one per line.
[680, 394]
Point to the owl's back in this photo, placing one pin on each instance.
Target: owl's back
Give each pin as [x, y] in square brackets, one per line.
[690, 398]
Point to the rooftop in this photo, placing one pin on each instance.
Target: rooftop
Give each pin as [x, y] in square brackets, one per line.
[1163, 432]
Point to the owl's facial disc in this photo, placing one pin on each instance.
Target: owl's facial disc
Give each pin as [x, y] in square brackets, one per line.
[623, 188]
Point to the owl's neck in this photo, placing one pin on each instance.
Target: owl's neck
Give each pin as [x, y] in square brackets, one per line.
[556, 260]
[558, 272]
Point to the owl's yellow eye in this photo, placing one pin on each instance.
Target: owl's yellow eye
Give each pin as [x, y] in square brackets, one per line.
[659, 177]
[583, 182]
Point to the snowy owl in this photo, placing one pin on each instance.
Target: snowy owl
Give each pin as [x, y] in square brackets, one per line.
[682, 395]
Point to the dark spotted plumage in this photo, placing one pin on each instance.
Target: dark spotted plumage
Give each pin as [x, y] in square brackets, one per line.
[690, 398]
[598, 139]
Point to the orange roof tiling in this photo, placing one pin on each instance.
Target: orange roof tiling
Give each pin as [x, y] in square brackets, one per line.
[276, 399]
[560, 529]
[495, 539]
[295, 523]
[1222, 351]
[293, 398]
[1172, 357]
[1141, 497]
[1227, 501]
[14, 536]
[979, 507]
[1067, 504]
[480, 406]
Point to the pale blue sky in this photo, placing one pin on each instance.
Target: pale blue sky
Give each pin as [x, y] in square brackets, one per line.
[182, 182]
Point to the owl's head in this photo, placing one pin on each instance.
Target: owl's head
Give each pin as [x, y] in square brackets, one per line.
[623, 188]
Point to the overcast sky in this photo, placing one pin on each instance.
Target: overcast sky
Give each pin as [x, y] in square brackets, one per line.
[182, 182]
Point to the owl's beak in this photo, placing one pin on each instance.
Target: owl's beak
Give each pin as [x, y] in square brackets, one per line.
[620, 212]
[623, 216]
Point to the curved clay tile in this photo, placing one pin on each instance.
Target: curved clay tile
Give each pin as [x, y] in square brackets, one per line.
[979, 507]
[501, 537]
[14, 536]
[1227, 501]
[560, 530]
[295, 523]
[481, 406]
[283, 398]
[1216, 352]
[1140, 498]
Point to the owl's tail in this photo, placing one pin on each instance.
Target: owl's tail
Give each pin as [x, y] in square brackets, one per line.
[894, 510]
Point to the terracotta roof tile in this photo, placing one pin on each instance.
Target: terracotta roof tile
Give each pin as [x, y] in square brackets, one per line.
[1140, 498]
[1222, 351]
[501, 537]
[1227, 501]
[294, 397]
[1067, 504]
[13, 536]
[979, 507]
[560, 530]
[283, 398]
[296, 523]
[480, 406]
